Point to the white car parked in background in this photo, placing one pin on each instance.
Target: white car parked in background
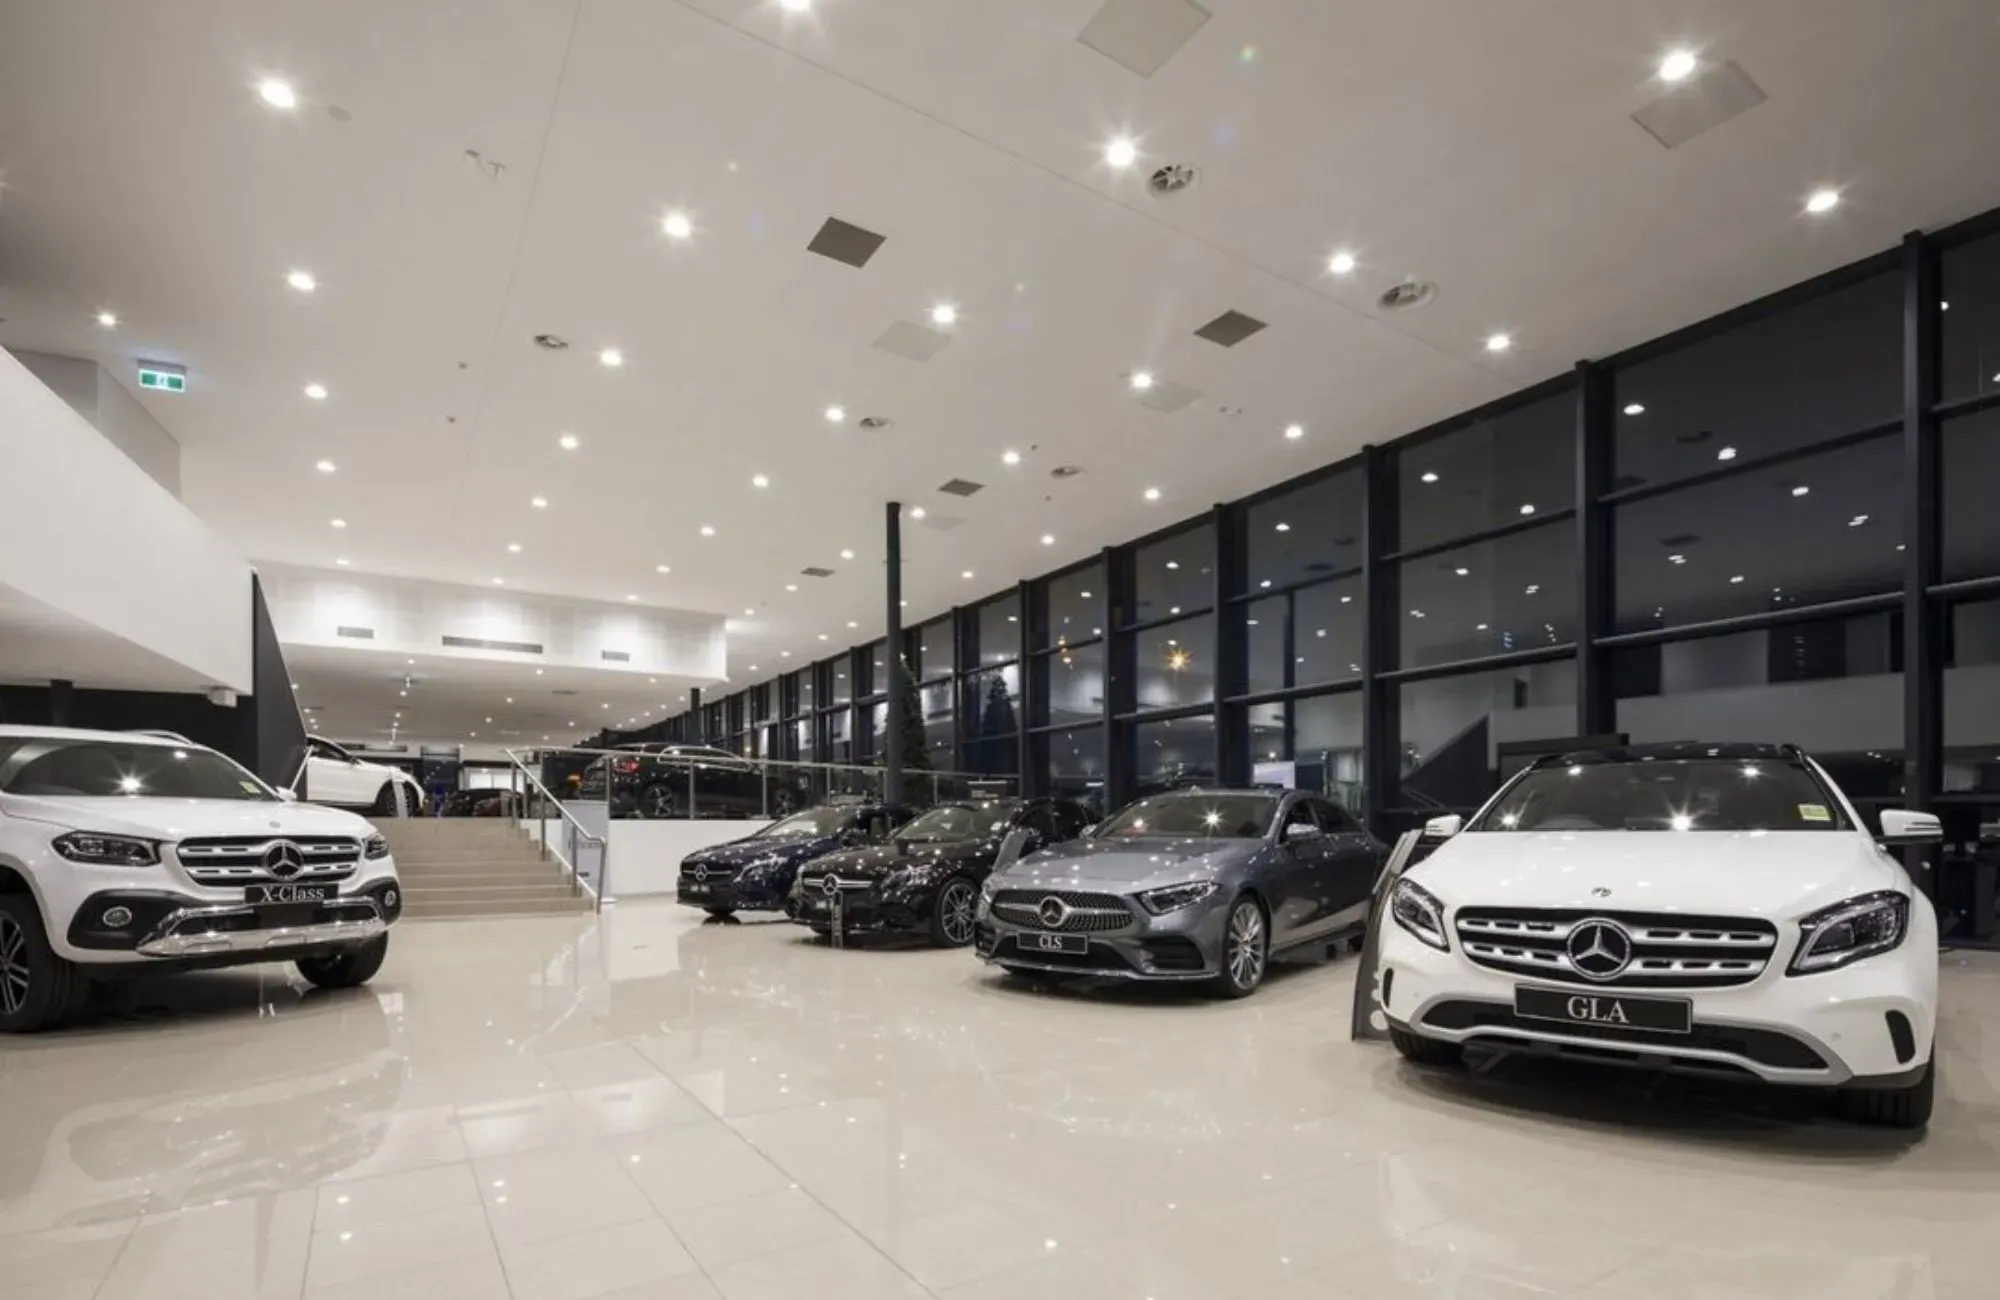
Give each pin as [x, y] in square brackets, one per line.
[129, 853]
[1696, 908]
[334, 777]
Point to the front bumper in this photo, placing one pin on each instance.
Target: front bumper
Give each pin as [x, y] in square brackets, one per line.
[866, 909]
[732, 895]
[1181, 945]
[1867, 1024]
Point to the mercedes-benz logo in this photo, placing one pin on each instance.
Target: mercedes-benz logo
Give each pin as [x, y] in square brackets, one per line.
[283, 860]
[1599, 949]
[1600, 892]
[1053, 912]
[829, 884]
[700, 872]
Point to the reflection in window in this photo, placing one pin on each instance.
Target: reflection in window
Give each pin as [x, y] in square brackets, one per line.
[1969, 463]
[1828, 366]
[1326, 632]
[999, 630]
[1972, 698]
[1172, 754]
[1516, 592]
[1174, 667]
[1174, 574]
[798, 693]
[1270, 739]
[1497, 471]
[936, 701]
[1821, 529]
[839, 740]
[992, 720]
[1266, 638]
[934, 650]
[1969, 330]
[1317, 749]
[1075, 606]
[1075, 680]
[1450, 728]
[875, 726]
[1074, 762]
[1306, 533]
[840, 688]
[874, 668]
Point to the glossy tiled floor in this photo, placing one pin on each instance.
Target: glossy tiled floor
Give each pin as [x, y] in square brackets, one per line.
[644, 1107]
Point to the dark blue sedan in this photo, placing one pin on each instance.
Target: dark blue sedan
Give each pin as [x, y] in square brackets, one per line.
[756, 873]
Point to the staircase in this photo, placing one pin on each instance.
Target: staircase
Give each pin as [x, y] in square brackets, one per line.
[458, 867]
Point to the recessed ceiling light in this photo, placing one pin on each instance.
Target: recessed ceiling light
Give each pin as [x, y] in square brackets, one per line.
[316, 391]
[760, 480]
[708, 530]
[677, 225]
[1678, 65]
[791, 586]
[611, 357]
[1499, 342]
[277, 93]
[325, 467]
[749, 613]
[303, 281]
[1010, 457]
[1048, 539]
[1340, 263]
[1152, 494]
[1284, 527]
[916, 512]
[1141, 380]
[1800, 490]
[1121, 151]
[1635, 408]
[753, 668]
[1857, 521]
[835, 414]
[499, 582]
[847, 555]
[108, 320]
[966, 574]
[568, 442]
[1295, 431]
[630, 596]
[795, 6]
[1677, 559]
[1527, 508]
[539, 503]
[1462, 572]
[944, 314]
[341, 561]
[822, 636]
[1727, 453]
[661, 568]
[784, 654]
[340, 523]
[1736, 578]
[1823, 200]
[513, 548]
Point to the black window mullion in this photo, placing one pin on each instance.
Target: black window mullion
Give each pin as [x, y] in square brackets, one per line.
[1923, 541]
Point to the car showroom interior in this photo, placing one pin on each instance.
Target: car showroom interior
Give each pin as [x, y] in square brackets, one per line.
[976, 649]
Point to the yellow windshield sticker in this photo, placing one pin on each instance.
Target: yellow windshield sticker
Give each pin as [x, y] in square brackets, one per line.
[1814, 812]
[251, 787]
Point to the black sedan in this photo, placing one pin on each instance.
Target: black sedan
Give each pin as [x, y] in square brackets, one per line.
[755, 874]
[926, 878]
[661, 781]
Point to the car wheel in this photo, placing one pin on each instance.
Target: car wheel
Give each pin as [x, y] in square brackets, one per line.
[720, 913]
[1246, 949]
[784, 801]
[659, 803]
[38, 990]
[823, 931]
[951, 916]
[388, 802]
[1424, 1051]
[1893, 1107]
[349, 967]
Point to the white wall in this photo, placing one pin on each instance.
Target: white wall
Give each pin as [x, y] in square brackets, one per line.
[645, 856]
[93, 393]
[93, 536]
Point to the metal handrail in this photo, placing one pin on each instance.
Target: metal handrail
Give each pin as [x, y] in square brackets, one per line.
[584, 837]
[724, 756]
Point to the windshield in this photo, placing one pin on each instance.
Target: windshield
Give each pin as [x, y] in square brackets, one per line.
[111, 768]
[807, 825]
[1208, 816]
[960, 822]
[1701, 794]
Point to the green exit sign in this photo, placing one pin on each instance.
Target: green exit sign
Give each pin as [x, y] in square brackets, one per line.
[162, 378]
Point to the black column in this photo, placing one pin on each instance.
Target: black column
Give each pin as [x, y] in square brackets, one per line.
[1121, 668]
[61, 696]
[1379, 649]
[1232, 729]
[1596, 700]
[1923, 639]
[1030, 782]
[697, 725]
[892, 582]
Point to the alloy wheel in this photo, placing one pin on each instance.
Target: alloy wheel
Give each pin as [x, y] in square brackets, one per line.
[13, 966]
[1244, 948]
[955, 912]
[659, 802]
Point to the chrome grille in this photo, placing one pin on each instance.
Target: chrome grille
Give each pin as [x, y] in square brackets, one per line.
[1667, 951]
[708, 872]
[240, 859]
[1081, 913]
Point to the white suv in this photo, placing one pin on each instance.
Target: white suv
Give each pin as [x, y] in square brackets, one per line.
[125, 853]
[334, 777]
[1697, 908]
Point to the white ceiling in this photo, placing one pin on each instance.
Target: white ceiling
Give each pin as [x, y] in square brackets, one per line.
[1485, 146]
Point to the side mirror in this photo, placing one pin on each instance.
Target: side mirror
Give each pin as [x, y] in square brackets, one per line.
[1297, 831]
[1901, 826]
[287, 796]
[1443, 828]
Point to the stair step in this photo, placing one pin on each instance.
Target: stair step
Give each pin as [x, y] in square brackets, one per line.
[468, 859]
[511, 868]
[473, 911]
[419, 893]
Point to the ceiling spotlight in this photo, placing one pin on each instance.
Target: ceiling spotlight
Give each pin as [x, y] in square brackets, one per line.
[1678, 65]
[568, 442]
[325, 467]
[277, 93]
[944, 314]
[1340, 263]
[1499, 342]
[1857, 521]
[1677, 559]
[791, 586]
[1800, 490]
[1295, 431]
[513, 548]
[1010, 457]
[1462, 572]
[1527, 508]
[1635, 408]
[316, 391]
[629, 596]
[759, 480]
[661, 568]
[1736, 578]
[539, 503]
[1284, 527]
[916, 512]
[795, 6]
[847, 555]
[340, 523]
[1822, 201]
[822, 636]
[341, 561]
[108, 320]
[852, 623]
[1152, 494]
[303, 281]
[1048, 539]
[611, 357]
[1121, 152]
[677, 225]
[708, 530]
[1141, 380]
[835, 414]
[499, 582]
[1727, 453]
[967, 574]
[784, 654]
[1430, 476]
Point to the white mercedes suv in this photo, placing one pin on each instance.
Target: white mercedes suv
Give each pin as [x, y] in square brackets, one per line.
[1696, 908]
[125, 853]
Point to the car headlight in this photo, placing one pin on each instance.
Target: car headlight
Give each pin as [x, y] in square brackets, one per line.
[1849, 931]
[377, 846]
[1417, 910]
[107, 850]
[1172, 898]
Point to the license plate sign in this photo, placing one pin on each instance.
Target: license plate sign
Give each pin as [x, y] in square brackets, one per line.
[289, 893]
[1074, 944]
[1606, 1009]
[694, 891]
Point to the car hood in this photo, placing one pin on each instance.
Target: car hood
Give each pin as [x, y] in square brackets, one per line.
[741, 853]
[1771, 874]
[1120, 865]
[176, 819]
[877, 861]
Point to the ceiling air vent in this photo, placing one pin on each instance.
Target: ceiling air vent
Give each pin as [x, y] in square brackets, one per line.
[551, 342]
[814, 571]
[1700, 104]
[357, 633]
[1410, 293]
[959, 487]
[1066, 471]
[1229, 329]
[1172, 179]
[1141, 35]
[481, 643]
[615, 656]
[874, 422]
[847, 244]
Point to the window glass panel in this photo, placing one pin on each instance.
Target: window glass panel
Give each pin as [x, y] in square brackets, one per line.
[1834, 686]
[1000, 630]
[992, 720]
[1305, 533]
[1823, 367]
[1450, 729]
[1075, 679]
[1326, 632]
[934, 650]
[839, 740]
[1969, 330]
[1969, 457]
[936, 700]
[1972, 699]
[1511, 593]
[1175, 753]
[798, 693]
[1264, 639]
[1326, 747]
[1520, 462]
[1173, 574]
[840, 689]
[1837, 538]
[875, 725]
[874, 668]
[1174, 667]
[1075, 606]
[1269, 741]
[1074, 763]
[804, 748]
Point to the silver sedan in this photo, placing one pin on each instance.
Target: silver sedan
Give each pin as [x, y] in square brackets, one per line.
[1196, 885]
